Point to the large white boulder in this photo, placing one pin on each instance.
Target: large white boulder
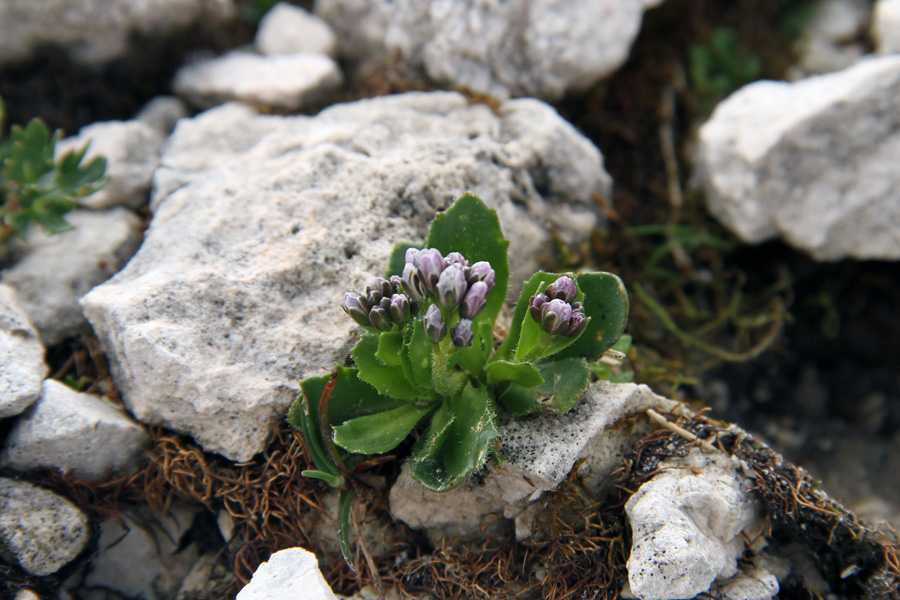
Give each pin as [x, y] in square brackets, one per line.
[813, 162]
[288, 575]
[81, 434]
[539, 48]
[57, 270]
[22, 366]
[886, 26]
[96, 31]
[235, 294]
[40, 530]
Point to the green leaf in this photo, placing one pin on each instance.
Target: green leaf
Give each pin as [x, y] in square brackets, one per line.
[345, 504]
[390, 343]
[398, 258]
[307, 424]
[606, 303]
[471, 433]
[534, 343]
[335, 481]
[418, 355]
[565, 382]
[381, 432]
[388, 380]
[508, 347]
[429, 444]
[473, 229]
[519, 400]
[525, 374]
[350, 398]
[474, 358]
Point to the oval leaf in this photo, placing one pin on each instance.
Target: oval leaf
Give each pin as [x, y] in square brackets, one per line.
[388, 380]
[525, 374]
[606, 303]
[381, 432]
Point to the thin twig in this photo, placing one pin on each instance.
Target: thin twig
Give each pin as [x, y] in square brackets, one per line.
[679, 430]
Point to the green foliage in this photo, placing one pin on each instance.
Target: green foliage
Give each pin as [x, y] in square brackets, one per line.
[719, 67]
[428, 367]
[37, 188]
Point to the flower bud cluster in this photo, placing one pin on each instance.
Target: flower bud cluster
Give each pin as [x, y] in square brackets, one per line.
[556, 311]
[453, 284]
[382, 306]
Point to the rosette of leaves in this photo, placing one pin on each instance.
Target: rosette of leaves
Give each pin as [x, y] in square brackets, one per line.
[36, 187]
[434, 372]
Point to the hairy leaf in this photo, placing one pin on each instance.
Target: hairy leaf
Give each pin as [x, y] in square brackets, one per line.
[381, 432]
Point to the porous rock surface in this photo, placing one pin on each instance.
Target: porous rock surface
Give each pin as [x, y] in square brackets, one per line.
[291, 573]
[282, 81]
[81, 434]
[259, 230]
[22, 366]
[886, 26]
[289, 29]
[831, 37]
[96, 31]
[57, 270]
[144, 555]
[686, 523]
[538, 452]
[131, 149]
[813, 162]
[40, 530]
[161, 113]
[538, 48]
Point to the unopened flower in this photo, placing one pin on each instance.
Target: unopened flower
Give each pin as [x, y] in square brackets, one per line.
[534, 305]
[563, 289]
[412, 256]
[412, 282]
[462, 335]
[577, 324]
[356, 306]
[556, 316]
[474, 301]
[451, 287]
[400, 308]
[380, 319]
[481, 271]
[433, 322]
[455, 258]
[431, 264]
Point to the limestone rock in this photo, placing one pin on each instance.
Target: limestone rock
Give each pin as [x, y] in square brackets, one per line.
[886, 26]
[77, 433]
[291, 573]
[57, 270]
[235, 294]
[536, 48]
[96, 31]
[686, 523]
[538, 453]
[132, 150]
[283, 81]
[289, 29]
[40, 530]
[144, 557]
[813, 162]
[22, 366]
[161, 113]
[749, 584]
[830, 39]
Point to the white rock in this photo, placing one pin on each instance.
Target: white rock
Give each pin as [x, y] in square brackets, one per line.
[814, 162]
[235, 294]
[57, 270]
[830, 39]
[536, 48]
[288, 575]
[77, 433]
[686, 524]
[284, 81]
[886, 26]
[132, 150]
[25, 594]
[22, 366]
[538, 453]
[143, 558]
[96, 31]
[39, 529]
[289, 29]
[750, 584]
[161, 113]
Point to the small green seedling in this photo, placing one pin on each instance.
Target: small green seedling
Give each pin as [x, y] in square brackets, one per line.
[37, 188]
[428, 366]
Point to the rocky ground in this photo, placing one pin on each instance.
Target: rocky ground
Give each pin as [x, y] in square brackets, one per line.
[755, 225]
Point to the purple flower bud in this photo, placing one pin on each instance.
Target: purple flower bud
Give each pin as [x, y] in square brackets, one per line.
[578, 306]
[354, 306]
[481, 271]
[412, 283]
[385, 304]
[455, 258]
[556, 316]
[395, 284]
[462, 335]
[380, 319]
[412, 256]
[373, 297]
[451, 287]
[431, 263]
[400, 309]
[563, 289]
[474, 301]
[534, 305]
[435, 329]
[577, 324]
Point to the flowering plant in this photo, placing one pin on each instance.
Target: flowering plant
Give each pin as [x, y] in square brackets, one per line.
[428, 365]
